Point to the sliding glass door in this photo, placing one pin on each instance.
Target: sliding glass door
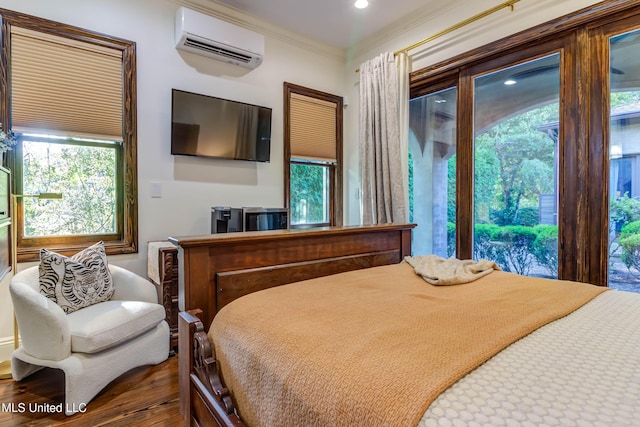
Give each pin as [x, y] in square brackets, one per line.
[547, 148]
[432, 172]
[624, 161]
[515, 129]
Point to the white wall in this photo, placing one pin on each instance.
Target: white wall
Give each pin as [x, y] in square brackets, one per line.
[442, 14]
[190, 186]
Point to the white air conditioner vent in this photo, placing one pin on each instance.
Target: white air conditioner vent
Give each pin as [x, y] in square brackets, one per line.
[208, 36]
[217, 50]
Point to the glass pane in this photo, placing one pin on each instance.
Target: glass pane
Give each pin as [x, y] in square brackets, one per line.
[624, 158]
[516, 126]
[309, 194]
[432, 173]
[86, 177]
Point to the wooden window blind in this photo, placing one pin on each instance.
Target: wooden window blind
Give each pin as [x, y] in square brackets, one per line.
[313, 128]
[65, 87]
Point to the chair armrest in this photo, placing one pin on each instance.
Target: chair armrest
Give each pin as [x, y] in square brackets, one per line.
[131, 287]
[43, 325]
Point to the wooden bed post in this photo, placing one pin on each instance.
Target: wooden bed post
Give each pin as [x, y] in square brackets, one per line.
[406, 243]
[187, 327]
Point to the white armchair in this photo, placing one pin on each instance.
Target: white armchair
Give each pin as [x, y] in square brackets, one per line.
[93, 345]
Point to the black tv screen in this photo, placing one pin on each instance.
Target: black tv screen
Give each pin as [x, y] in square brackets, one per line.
[220, 128]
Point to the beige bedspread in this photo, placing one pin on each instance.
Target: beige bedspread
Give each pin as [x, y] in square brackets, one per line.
[373, 347]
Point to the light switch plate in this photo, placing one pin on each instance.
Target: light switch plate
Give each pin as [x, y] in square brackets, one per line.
[156, 190]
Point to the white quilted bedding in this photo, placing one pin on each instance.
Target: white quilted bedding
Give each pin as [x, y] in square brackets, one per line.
[581, 370]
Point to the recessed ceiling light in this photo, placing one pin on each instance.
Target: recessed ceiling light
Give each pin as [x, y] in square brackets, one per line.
[361, 4]
[509, 82]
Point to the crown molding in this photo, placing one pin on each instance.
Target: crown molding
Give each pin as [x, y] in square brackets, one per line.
[242, 19]
[430, 13]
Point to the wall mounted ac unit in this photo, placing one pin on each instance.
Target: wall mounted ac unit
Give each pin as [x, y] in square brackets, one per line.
[208, 36]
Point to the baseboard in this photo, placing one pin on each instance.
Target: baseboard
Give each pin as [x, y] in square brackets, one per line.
[6, 347]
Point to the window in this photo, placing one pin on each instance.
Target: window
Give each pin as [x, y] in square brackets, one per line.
[514, 167]
[70, 95]
[432, 163]
[546, 129]
[310, 192]
[313, 157]
[624, 176]
[83, 172]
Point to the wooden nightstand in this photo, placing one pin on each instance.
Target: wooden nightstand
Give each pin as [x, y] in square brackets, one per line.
[163, 273]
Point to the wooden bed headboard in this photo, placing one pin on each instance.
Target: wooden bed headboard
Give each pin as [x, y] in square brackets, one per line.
[218, 268]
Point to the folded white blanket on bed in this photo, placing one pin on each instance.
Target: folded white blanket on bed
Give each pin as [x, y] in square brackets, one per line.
[450, 271]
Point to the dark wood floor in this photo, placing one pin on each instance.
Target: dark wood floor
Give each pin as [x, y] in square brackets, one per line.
[144, 396]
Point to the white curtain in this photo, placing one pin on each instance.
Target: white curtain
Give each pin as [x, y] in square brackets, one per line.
[384, 134]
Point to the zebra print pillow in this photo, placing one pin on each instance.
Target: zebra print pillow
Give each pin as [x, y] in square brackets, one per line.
[77, 281]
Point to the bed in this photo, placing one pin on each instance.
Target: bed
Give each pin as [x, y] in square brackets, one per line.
[561, 353]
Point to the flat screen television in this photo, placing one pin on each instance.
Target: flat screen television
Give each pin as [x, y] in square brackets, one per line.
[206, 126]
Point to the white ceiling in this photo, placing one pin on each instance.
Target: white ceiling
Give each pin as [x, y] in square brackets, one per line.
[334, 22]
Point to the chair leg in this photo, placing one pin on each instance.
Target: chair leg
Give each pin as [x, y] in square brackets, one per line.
[21, 369]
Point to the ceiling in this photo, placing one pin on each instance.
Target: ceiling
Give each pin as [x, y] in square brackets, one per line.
[334, 22]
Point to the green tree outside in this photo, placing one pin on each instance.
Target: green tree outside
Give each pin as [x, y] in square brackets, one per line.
[514, 164]
[86, 177]
[308, 183]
